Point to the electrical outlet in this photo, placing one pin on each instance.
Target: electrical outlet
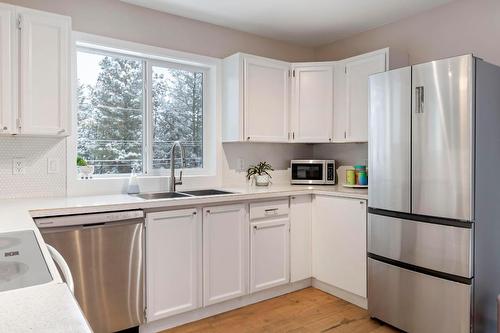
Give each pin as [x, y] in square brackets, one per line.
[52, 165]
[240, 164]
[18, 166]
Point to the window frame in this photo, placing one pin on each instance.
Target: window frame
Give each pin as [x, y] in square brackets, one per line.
[150, 61]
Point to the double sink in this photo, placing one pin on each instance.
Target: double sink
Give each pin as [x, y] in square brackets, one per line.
[171, 195]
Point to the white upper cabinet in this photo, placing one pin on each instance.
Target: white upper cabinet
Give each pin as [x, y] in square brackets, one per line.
[225, 253]
[312, 102]
[173, 262]
[44, 56]
[7, 69]
[351, 95]
[266, 100]
[255, 99]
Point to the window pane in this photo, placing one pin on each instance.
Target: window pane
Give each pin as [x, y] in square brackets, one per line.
[110, 112]
[177, 115]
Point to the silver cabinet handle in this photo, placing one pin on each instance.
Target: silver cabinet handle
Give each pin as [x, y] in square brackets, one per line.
[419, 99]
[272, 211]
[259, 227]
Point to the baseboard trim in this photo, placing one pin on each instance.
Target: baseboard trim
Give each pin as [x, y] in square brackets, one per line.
[362, 302]
[212, 310]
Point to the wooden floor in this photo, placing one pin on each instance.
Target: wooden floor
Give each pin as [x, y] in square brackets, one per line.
[307, 310]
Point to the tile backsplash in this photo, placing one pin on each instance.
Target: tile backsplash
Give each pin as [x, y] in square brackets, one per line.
[37, 181]
[236, 157]
[277, 154]
[343, 153]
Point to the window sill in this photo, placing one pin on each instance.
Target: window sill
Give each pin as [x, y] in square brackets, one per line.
[146, 177]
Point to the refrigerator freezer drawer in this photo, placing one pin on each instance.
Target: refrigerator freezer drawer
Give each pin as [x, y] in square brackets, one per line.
[442, 248]
[415, 302]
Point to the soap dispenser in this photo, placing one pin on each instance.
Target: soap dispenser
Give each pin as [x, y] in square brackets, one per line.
[133, 185]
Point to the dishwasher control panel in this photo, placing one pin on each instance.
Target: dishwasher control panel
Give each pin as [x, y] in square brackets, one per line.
[84, 219]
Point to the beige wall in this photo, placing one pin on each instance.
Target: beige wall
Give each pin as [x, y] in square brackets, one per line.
[113, 18]
[466, 26]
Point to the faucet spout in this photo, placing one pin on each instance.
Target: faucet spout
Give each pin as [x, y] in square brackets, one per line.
[173, 180]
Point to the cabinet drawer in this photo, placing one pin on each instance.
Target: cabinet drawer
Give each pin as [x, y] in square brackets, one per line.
[438, 247]
[259, 210]
[416, 302]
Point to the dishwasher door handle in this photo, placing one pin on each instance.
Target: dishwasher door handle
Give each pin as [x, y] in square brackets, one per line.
[59, 260]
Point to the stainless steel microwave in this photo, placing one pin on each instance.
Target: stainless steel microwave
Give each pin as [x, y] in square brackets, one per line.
[318, 172]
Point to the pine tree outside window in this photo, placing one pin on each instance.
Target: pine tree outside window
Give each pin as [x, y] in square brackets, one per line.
[130, 110]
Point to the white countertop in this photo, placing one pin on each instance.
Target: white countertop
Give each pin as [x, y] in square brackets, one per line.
[49, 308]
[17, 214]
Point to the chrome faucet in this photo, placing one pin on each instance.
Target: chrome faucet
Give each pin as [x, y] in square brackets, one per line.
[173, 179]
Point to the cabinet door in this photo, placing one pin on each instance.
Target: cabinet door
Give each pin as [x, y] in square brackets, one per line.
[225, 253]
[44, 62]
[357, 73]
[269, 259]
[339, 243]
[340, 114]
[266, 95]
[300, 237]
[7, 68]
[173, 262]
[312, 108]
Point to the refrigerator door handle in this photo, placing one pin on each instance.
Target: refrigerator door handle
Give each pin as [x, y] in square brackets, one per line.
[419, 99]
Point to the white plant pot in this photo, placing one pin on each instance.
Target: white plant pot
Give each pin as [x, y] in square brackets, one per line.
[262, 180]
[86, 171]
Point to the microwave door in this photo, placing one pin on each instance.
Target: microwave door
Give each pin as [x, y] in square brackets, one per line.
[308, 173]
[389, 140]
[442, 134]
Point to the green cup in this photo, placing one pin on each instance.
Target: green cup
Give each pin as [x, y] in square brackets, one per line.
[350, 177]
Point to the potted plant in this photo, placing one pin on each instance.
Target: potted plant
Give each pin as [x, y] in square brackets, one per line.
[260, 172]
[84, 169]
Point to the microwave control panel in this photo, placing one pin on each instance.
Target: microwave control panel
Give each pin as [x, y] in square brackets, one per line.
[330, 173]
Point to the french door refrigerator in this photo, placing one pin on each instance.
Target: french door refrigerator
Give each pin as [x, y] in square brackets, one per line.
[434, 196]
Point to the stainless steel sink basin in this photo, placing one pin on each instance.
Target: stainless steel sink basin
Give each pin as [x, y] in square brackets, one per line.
[199, 193]
[161, 195]
[185, 194]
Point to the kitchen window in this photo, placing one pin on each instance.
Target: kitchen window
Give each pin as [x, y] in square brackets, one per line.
[131, 109]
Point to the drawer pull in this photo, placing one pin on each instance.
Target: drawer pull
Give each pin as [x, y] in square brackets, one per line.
[257, 227]
[273, 211]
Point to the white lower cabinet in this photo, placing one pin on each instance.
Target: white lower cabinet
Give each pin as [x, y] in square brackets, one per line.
[173, 262]
[300, 237]
[339, 243]
[199, 257]
[269, 246]
[225, 253]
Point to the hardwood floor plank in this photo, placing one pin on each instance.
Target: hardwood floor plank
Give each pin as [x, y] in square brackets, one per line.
[305, 311]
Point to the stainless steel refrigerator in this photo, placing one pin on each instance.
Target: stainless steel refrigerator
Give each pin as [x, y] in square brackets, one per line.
[434, 196]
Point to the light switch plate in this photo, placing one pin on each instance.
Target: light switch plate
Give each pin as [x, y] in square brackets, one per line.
[52, 165]
[18, 166]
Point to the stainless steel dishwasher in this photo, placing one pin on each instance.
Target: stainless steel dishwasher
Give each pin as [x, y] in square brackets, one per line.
[105, 253]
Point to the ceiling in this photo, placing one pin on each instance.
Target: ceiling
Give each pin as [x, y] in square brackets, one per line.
[305, 22]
